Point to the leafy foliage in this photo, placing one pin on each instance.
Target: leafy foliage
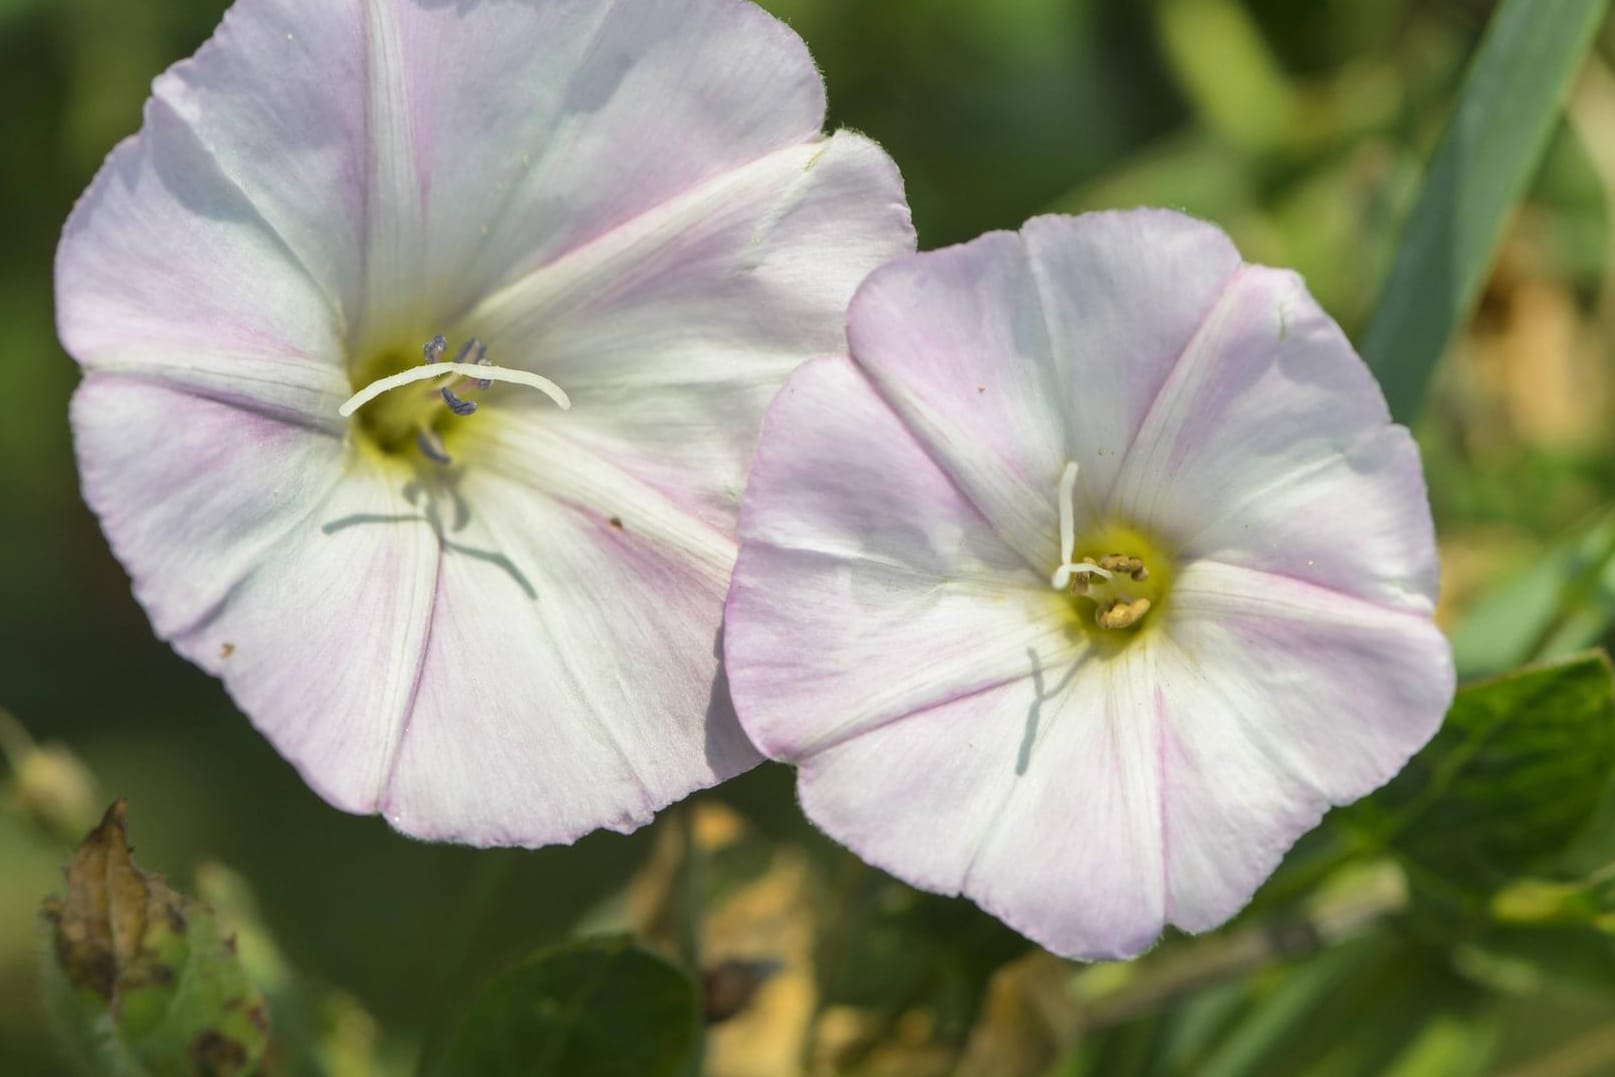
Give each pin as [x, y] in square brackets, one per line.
[602, 1006]
[1494, 140]
[1560, 602]
[1513, 778]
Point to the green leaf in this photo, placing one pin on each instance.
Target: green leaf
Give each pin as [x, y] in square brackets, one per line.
[1509, 105]
[601, 1006]
[1560, 601]
[1512, 779]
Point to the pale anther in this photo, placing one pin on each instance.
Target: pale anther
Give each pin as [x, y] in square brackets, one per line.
[1123, 565]
[1121, 613]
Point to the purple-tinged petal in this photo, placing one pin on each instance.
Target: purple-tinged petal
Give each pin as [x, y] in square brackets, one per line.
[974, 379]
[1035, 798]
[1074, 857]
[1037, 348]
[861, 563]
[310, 108]
[1270, 445]
[1096, 791]
[307, 589]
[547, 126]
[167, 272]
[277, 101]
[1280, 699]
[569, 681]
[1124, 294]
[672, 333]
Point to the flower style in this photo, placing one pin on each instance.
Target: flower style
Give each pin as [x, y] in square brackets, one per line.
[1091, 580]
[454, 602]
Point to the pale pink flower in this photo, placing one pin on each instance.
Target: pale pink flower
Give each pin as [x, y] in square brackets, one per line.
[491, 628]
[1091, 580]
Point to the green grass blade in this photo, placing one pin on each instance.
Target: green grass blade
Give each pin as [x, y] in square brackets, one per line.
[1511, 100]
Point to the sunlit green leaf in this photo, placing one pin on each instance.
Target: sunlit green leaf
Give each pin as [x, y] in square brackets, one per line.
[1513, 778]
[1556, 603]
[1511, 100]
[603, 1007]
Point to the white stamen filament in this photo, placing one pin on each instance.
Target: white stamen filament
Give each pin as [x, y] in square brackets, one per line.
[1068, 534]
[465, 370]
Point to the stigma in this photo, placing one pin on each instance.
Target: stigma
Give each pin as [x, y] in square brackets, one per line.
[451, 384]
[1115, 582]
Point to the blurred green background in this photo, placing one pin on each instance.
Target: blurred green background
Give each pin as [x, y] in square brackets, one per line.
[1299, 127]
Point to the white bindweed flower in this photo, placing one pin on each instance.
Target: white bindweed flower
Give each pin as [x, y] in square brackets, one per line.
[449, 599]
[1091, 580]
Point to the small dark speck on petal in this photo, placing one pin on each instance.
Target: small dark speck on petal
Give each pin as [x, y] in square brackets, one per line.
[227, 650]
[616, 521]
[981, 388]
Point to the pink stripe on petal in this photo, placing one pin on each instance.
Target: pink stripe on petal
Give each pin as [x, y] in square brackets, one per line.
[272, 558]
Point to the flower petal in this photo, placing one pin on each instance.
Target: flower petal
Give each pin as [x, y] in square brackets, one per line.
[278, 103]
[1124, 294]
[166, 271]
[1087, 796]
[310, 108]
[974, 379]
[1074, 856]
[570, 680]
[869, 589]
[1038, 348]
[547, 126]
[926, 682]
[1270, 445]
[1037, 799]
[673, 332]
[274, 558]
[1280, 699]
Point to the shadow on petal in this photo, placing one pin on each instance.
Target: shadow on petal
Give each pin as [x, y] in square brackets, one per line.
[1034, 714]
[729, 751]
[430, 497]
